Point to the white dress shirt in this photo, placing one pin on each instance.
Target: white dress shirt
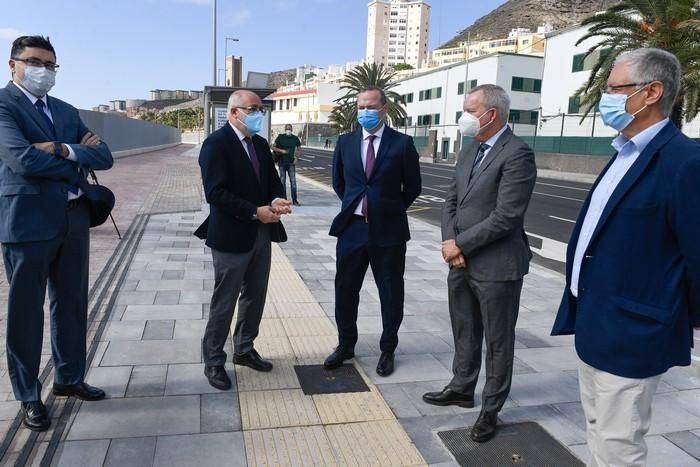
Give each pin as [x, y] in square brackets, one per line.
[71, 153]
[491, 141]
[628, 151]
[363, 153]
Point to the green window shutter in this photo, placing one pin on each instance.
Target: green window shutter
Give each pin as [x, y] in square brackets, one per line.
[457, 116]
[577, 63]
[538, 86]
[574, 104]
[436, 119]
[534, 117]
[473, 84]
[460, 88]
[514, 116]
[516, 84]
[439, 92]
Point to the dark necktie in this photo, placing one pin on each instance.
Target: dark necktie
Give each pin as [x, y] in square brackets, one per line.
[480, 154]
[369, 166]
[39, 104]
[253, 156]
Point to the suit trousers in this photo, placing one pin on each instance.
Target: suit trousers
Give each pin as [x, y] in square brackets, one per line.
[354, 254]
[245, 274]
[483, 310]
[618, 415]
[62, 263]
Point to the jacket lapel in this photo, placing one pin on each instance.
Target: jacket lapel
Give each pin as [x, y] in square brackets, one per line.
[354, 159]
[488, 160]
[633, 174]
[238, 147]
[29, 109]
[385, 143]
[58, 122]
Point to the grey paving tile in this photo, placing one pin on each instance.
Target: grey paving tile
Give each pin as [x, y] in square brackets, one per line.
[8, 409]
[136, 417]
[194, 297]
[167, 297]
[420, 343]
[550, 387]
[136, 298]
[173, 275]
[682, 378]
[398, 400]
[146, 312]
[83, 453]
[113, 380]
[124, 330]
[190, 379]
[144, 275]
[182, 285]
[408, 368]
[556, 423]
[189, 328]
[664, 452]
[670, 413]
[147, 380]
[121, 353]
[549, 358]
[131, 452]
[220, 412]
[219, 450]
[159, 329]
[423, 432]
[430, 322]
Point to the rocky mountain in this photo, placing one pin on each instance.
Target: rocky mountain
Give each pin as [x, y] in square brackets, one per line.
[529, 14]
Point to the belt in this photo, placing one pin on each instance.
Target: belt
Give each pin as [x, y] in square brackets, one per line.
[72, 203]
[359, 217]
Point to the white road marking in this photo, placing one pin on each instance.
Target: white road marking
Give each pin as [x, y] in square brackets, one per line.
[557, 196]
[551, 249]
[562, 219]
[562, 186]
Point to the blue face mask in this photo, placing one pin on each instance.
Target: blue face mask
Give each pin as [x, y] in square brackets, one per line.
[253, 122]
[613, 110]
[368, 118]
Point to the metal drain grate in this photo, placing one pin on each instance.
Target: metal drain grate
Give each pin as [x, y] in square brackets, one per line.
[519, 444]
[315, 379]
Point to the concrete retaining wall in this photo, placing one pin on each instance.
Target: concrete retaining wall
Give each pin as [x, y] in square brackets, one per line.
[126, 134]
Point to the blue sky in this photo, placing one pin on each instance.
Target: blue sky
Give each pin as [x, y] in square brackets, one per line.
[118, 49]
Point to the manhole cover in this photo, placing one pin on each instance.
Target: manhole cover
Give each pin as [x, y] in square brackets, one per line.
[519, 444]
[315, 379]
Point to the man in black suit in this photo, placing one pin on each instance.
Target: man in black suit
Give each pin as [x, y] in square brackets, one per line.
[376, 175]
[246, 200]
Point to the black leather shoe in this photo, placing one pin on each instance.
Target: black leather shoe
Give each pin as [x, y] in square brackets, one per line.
[485, 427]
[385, 366]
[337, 358]
[448, 397]
[296, 203]
[217, 377]
[253, 360]
[82, 391]
[36, 417]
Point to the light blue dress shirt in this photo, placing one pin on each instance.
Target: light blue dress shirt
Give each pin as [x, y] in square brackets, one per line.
[628, 151]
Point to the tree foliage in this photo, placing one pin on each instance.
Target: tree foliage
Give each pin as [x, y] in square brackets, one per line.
[185, 119]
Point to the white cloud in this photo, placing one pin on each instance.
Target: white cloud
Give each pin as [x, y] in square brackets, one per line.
[241, 16]
[9, 33]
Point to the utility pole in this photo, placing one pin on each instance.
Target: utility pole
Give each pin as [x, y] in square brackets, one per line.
[214, 42]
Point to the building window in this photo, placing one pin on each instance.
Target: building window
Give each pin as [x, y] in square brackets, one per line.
[288, 103]
[424, 120]
[577, 64]
[526, 85]
[574, 104]
[436, 119]
[528, 117]
[458, 116]
[460, 90]
[472, 85]
[295, 102]
[581, 63]
[438, 92]
[408, 98]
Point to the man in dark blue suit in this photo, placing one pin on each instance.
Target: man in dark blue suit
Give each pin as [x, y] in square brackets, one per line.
[246, 200]
[633, 262]
[45, 151]
[377, 177]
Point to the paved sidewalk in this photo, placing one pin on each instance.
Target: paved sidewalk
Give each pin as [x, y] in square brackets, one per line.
[161, 411]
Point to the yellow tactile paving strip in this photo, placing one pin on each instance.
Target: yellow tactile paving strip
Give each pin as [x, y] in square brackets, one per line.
[284, 427]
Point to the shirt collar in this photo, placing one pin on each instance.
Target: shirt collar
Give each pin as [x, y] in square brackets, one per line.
[32, 98]
[239, 133]
[366, 134]
[492, 140]
[641, 139]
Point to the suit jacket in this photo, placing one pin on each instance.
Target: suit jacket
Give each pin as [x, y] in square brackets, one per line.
[34, 184]
[639, 283]
[394, 184]
[485, 215]
[234, 192]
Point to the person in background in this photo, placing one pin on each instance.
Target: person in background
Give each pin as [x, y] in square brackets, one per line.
[288, 146]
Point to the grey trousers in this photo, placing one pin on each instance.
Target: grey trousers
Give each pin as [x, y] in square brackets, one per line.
[481, 310]
[245, 274]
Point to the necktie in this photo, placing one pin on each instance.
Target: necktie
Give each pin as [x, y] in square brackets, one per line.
[481, 153]
[39, 104]
[253, 156]
[369, 166]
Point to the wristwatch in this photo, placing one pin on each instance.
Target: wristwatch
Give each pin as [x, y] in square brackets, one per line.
[254, 217]
[57, 149]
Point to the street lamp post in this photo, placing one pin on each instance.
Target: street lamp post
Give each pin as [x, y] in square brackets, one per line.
[214, 42]
[233, 39]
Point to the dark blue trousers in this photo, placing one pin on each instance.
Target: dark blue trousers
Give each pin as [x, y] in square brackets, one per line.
[62, 263]
[354, 254]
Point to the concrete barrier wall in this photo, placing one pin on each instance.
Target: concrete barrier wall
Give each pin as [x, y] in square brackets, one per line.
[127, 134]
[573, 163]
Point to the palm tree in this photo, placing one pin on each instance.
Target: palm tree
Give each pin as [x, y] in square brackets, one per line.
[340, 117]
[672, 25]
[363, 76]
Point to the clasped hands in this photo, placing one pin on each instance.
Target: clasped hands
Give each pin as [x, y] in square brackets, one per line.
[271, 214]
[452, 254]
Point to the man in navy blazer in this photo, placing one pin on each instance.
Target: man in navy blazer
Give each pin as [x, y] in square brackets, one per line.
[245, 197]
[45, 151]
[376, 175]
[632, 292]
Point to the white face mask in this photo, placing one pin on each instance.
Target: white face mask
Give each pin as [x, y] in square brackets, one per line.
[469, 125]
[288, 132]
[38, 80]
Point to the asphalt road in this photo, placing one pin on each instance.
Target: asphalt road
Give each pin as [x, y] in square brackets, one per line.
[549, 220]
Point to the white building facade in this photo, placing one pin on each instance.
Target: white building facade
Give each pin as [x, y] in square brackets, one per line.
[434, 99]
[312, 105]
[397, 32]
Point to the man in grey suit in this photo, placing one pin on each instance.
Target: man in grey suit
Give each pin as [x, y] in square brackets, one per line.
[45, 150]
[485, 245]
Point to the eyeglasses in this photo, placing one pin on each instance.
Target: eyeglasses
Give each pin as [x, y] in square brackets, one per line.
[620, 87]
[262, 110]
[38, 63]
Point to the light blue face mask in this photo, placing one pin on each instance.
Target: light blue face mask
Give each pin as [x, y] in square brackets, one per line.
[613, 110]
[253, 122]
[368, 118]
